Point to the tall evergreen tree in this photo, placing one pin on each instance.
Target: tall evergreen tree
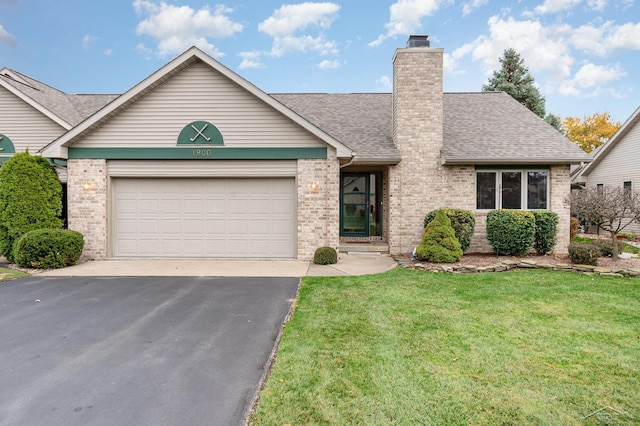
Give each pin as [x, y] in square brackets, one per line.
[514, 78]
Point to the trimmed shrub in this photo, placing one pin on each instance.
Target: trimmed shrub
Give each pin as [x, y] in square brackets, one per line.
[606, 247]
[48, 248]
[511, 232]
[439, 243]
[546, 231]
[30, 199]
[574, 225]
[584, 254]
[463, 223]
[325, 256]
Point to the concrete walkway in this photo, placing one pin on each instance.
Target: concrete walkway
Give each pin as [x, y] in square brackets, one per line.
[348, 264]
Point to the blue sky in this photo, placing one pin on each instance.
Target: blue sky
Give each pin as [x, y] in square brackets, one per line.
[583, 54]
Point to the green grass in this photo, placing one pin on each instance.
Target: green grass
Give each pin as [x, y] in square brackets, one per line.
[7, 274]
[414, 348]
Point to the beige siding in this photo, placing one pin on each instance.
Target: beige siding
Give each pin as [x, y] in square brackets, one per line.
[620, 164]
[200, 93]
[195, 168]
[24, 125]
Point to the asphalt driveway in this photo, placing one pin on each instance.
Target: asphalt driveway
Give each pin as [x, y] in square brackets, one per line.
[136, 350]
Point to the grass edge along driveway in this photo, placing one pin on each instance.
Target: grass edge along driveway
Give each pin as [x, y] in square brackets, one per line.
[408, 347]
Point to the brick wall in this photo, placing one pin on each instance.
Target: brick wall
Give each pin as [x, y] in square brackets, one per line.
[560, 190]
[415, 185]
[318, 209]
[87, 205]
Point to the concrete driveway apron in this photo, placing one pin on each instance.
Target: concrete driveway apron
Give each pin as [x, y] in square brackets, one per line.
[136, 350]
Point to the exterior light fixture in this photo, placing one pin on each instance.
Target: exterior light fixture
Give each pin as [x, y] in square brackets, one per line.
[314, 186]
[87, 186]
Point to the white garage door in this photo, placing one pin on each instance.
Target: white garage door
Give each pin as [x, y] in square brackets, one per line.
[217, 218]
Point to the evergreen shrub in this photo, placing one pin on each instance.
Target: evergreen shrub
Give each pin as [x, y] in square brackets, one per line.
[511, 232]
[546, 231]
[463, 223]
[48, 248]
[325, 256]
[30, 199]
[574, 225]
[439, 243]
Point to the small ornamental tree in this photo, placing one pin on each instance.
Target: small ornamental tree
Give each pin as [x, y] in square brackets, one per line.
[611, 209]
[439, 243]
[30, 199]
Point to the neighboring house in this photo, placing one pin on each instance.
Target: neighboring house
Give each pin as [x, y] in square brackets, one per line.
[616, 163]
[195, 161]
[33, 114]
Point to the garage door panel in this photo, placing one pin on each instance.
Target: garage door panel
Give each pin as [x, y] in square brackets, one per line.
[212, 217]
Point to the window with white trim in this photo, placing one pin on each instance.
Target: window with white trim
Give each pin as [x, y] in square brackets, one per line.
[512, 189]
[626, 185]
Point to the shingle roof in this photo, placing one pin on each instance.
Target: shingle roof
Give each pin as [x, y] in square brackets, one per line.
[483, 127]
[361, 121]
[494, 128]
[70, 108]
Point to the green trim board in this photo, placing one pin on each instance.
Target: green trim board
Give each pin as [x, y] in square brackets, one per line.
[200, 133]
[197, 153]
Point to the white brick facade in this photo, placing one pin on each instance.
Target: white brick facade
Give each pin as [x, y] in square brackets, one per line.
[87, 204]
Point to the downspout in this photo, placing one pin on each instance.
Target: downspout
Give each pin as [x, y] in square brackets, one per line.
[353, 158]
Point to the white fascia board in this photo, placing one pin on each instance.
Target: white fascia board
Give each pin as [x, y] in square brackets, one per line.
[45, 111]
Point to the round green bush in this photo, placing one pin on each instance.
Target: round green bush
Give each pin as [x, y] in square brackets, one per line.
[325, 256]
[584, 254]
[439, 243]
[463, 223]
[48, 248]
[546, 231]
[511, 232]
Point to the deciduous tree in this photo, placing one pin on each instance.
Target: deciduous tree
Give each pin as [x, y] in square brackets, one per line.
[592, 131]
[611, 209]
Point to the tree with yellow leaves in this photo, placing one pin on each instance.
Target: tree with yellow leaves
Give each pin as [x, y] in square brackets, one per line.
[591, 132]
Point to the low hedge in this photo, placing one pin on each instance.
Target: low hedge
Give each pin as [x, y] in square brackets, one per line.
[606, 246]
[48, 248]
[511, 232]
[463, 223]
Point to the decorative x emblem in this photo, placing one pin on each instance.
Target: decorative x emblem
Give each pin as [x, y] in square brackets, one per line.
[199, 133]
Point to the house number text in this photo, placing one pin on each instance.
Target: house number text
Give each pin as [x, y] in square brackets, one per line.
[201, 152]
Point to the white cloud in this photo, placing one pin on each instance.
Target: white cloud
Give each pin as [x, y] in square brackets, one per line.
[470, 6]
[543, 48]
[251, 60]
[176, 28]
[108, 52]
[555, 6]
[286, 22]
[406, 16]
[606, 38]
[384, 83]
[87, 40]
[6, 38]
[598, 5]
[327, 64]
[591, 80]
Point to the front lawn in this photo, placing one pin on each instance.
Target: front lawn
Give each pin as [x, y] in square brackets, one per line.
[7, 274]
[408, 347]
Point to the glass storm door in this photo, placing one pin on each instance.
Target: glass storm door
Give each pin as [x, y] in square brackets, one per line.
[361, 204]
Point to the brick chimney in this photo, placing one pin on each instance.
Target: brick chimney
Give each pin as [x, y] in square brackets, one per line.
[415, 184]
